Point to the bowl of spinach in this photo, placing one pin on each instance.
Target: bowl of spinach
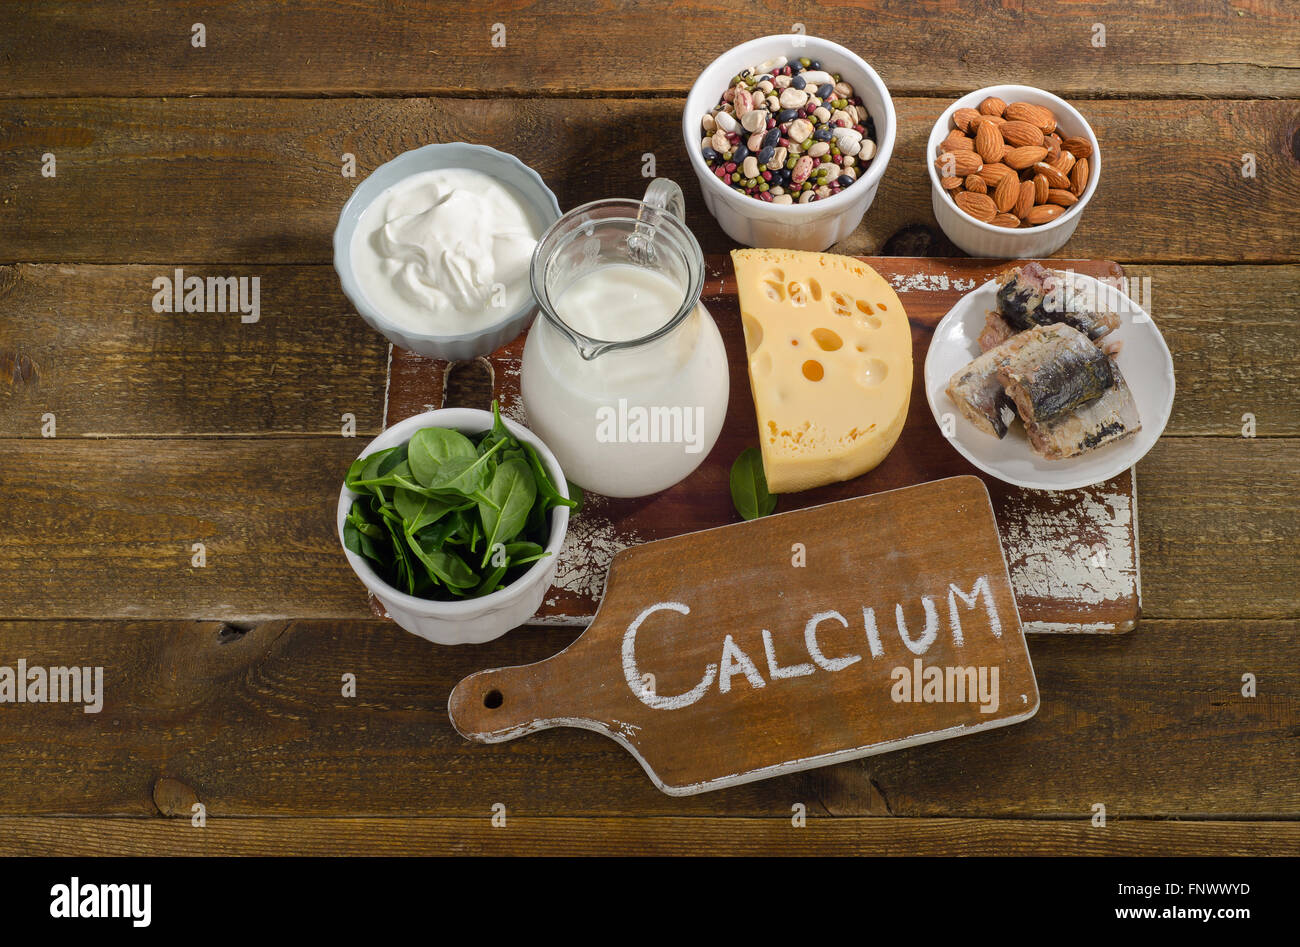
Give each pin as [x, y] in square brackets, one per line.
[454, 520]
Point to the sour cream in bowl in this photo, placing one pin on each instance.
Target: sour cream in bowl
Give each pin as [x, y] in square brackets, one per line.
[433, 248]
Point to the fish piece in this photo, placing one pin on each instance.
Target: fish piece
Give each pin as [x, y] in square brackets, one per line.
[996, 331]
[1054, 371]
[1032, 295]
[1110, 418]
[977, 392]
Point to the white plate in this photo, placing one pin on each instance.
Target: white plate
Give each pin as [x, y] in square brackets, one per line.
[1144, 359]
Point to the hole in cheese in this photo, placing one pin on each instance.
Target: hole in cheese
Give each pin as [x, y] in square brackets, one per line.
[828, 340]
[813, 371]
[874, 372]
[775, 291]
[864, 306]
[815, 288]
[753, 332]
[798, 294]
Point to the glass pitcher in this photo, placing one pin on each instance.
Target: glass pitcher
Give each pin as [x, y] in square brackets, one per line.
[625, 373]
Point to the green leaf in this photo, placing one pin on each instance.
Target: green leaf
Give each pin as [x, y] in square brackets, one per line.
[431, 448]
[362, 544]
[491, 582]
[523, 553]
[446, 566]
[512, 493]
[417, 510]
[749, 490]
[546, 488]
[465, 476]
[357, 516]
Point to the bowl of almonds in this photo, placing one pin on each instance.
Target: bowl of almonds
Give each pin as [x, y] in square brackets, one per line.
[1011, 170]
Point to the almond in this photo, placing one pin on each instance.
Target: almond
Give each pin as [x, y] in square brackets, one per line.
[995, 172]
[1053, 145]
[1041, 187]
[1077, 146]
[962, 118]
[1006, 193]
[950, 184]
[1062, 162]
[1079, 177]
[1035, 115]
[1054, 178]
[960, 163]
[1010, 221]
[988, 142]
[992, 106]
[975, 184]
[957, 141]
[1019, 134]
[979, 206]
[1056, 195]
[1024, 199]
[1022, 157]
[1042, 213]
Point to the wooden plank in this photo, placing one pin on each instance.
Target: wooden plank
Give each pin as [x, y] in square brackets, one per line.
[258, 181]
[1072, 555]
[82, 341]
[618, 837]
[264, 509]
[134, 48]
[1149, 724]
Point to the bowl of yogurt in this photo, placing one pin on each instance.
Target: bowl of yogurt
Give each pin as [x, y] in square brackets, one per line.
[433, 248]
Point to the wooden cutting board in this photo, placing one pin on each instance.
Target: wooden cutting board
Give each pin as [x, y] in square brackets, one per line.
[1073, 555]
[793, 641]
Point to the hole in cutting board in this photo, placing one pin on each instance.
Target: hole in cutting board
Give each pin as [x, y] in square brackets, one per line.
[493, 699]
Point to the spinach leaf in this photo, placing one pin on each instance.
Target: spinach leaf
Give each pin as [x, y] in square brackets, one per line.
[512, 493]
[463, 475]
[418, 511]
[446, 566]
[749, 491]
[545, 485]
[522, 553]
[362, 544]
[432, 447]
[491, 581]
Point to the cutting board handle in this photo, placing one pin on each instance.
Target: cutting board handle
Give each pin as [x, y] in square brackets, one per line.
[504, 703]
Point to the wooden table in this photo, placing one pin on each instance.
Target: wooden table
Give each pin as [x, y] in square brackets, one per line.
[224, 684]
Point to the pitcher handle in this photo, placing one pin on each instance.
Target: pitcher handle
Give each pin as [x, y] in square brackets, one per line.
[664, 194]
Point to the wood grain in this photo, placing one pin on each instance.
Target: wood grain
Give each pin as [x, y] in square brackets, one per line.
[264, 507]
[619, 837]
[82, 341]
[138, 48]
[258, 181]
[254, 723]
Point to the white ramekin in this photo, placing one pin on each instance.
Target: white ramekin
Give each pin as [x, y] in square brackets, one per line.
[472, 620]
[507, 169]
[985, 240]
[812, 226]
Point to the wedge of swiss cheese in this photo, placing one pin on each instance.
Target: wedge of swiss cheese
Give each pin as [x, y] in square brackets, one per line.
[830, 364]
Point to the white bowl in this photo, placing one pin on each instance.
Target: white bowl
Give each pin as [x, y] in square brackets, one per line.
[471, 620]
[985, 240]
[507, 169]
[1144, 359]
[813, 226]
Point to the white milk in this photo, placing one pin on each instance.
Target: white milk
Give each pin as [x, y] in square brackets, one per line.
[631, 421]
[446, 251]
